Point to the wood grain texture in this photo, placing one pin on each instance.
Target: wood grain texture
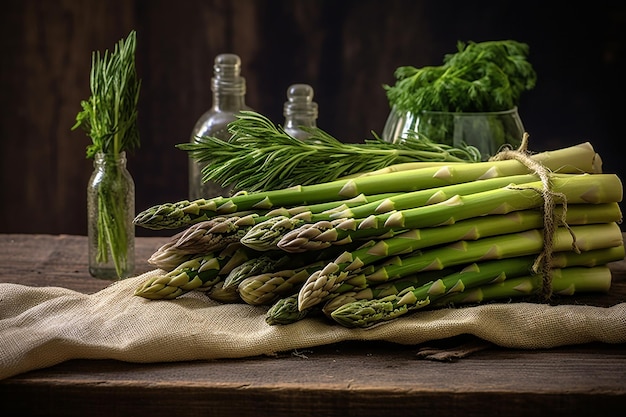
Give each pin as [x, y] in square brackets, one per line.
[364, 379]
[346, 50]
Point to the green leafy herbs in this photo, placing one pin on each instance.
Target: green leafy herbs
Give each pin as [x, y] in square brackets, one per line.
[480, 77]
[109, 116]
[260, 156]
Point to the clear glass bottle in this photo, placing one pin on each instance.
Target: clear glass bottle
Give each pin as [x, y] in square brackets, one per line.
[229, 91]
[299, 110]
[110, 215]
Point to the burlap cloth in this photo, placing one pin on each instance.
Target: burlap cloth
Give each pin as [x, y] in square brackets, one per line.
[44, 326]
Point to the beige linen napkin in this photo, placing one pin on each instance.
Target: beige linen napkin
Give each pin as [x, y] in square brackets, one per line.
[44, 326]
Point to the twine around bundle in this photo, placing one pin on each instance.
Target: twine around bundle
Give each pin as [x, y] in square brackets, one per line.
[543, 262]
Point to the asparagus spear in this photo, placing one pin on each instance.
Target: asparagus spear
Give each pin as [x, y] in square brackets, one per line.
[285, 311]
[266, 288]
[209, 235]
[429, 196]
[571, 160]
[168, 258]
[228, 295]
[565, 282]
[590, 258]
[578, 189]
[252, 267]
[588, 237]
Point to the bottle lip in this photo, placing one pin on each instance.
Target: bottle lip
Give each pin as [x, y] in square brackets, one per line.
[227, 75]
[110, 157]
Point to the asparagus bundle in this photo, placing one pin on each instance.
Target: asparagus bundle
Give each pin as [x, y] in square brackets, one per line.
[413, 235]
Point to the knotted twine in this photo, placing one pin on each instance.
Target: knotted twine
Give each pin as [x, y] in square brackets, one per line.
[543, 262]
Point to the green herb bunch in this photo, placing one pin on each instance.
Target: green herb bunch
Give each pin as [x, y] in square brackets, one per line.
[481, 77]
[109, 117]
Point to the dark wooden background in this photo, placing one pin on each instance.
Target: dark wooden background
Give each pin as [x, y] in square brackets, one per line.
[345, 49]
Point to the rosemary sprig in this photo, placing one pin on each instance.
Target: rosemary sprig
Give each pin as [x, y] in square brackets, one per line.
[109, 117]
[261, 156]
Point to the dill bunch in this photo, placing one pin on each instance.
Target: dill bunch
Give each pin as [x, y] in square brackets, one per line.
[480, 77]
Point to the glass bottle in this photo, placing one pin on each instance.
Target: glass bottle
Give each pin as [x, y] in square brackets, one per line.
[299, 110]
[229, 90]
[110, 215]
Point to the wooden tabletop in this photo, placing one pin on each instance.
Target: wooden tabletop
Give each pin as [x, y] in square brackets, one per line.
[348, 378]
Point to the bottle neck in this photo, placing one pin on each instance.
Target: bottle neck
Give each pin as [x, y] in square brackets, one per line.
[229, 101]
[295, 121]
[102, 159]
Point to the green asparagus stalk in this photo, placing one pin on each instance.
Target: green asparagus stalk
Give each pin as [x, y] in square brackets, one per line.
[364, 312]
[577, 189]
[565, 282]
[318, 288]
[400, 166]
[184, 213]
[199, 272]
[428, 196]
[198, 239]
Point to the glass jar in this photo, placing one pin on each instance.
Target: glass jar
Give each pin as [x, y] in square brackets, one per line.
[487, 131]
[229, 91]
[110, 214]
[299, 110]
